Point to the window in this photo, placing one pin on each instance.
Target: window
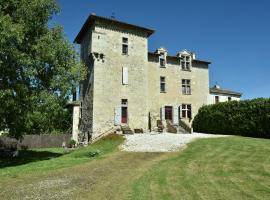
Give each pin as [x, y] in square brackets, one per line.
[216, 99]
[162, 62]
[186, 111]
[124, 101]
[162, 84]
[186, 88]
[185, 62]
[124, 46]
[229, 98]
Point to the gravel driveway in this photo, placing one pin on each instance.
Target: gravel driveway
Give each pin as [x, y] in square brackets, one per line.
[160, 142]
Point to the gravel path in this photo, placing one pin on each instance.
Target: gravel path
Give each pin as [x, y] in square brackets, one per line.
[160, 142]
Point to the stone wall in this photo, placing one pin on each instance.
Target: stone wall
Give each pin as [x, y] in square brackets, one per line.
[40, 141]
[103, 90]
[108, 87]
[173, 96]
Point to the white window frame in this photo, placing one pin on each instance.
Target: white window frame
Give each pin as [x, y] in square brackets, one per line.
[186, 86]
[186, 110]
[162, 57]
[162, 82]
[185, 62]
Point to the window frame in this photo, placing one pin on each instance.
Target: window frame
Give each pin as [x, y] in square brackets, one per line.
[162, 81]
[186, 111]
[216, 99]
[124, 46]
[162, 62]
[185, 62]
[186, 86]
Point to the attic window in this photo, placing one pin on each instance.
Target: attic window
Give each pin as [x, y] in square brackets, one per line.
[185, 62]
[162, 61]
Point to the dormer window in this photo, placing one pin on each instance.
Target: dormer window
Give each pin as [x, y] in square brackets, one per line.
[125, 46]
[185, 62]
[162, 61]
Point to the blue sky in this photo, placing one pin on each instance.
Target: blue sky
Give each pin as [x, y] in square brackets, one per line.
[233, 35]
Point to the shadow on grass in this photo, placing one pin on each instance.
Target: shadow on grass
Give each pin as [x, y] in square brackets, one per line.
[27, 156]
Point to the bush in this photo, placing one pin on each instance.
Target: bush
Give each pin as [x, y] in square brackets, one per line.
[246, 118]
[72, 143]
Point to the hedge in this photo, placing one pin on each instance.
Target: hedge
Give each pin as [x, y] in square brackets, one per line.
[247, 118]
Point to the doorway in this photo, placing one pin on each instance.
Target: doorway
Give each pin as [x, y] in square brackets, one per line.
[168, 113]
[124, 111]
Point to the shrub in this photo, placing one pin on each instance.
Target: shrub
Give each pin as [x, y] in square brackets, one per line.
[72, 143]
[246, 118]
[94, 153]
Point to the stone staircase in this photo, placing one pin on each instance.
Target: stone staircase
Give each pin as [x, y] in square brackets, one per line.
[170, 127]
[181, 130]
[126, 130]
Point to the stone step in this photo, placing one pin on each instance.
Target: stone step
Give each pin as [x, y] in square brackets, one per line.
[126, 130]
[182, 130]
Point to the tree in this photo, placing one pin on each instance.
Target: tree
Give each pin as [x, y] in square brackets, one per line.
[39, 68]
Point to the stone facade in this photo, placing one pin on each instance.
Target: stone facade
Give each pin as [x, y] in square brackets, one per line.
[133, 79]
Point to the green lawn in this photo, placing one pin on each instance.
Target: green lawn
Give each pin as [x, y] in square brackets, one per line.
[40, 160]
[220, 168]
[216, 168]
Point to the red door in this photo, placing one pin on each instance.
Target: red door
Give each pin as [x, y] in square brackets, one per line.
[168, 112]
[124, 115]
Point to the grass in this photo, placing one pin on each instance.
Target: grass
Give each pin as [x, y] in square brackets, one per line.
[221, 168]
[40, 160]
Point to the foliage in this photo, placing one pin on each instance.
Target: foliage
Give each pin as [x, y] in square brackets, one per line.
[246, 118]
[39, 68]
[72, 143]
[94, 153]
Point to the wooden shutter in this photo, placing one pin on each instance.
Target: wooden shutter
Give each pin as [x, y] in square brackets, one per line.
[175, 115]
[117, 115]
[162, 113]
[125, 75]
[180, 111]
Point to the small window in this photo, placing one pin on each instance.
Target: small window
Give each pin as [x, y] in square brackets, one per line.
[162, 84]
[186, 111]
[185, 63]
[216, 99]
[186, 88]
[124, 46]
[124, 102]
[125, 40]
[162, 62]
[229, 98]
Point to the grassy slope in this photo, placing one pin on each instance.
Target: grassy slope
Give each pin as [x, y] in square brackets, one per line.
[222, 168]
[76, 176]
[42, 160]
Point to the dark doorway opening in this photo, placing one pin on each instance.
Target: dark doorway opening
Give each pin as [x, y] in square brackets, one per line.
[168, 113]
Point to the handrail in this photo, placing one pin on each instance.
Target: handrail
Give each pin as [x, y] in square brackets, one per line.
[185, 126]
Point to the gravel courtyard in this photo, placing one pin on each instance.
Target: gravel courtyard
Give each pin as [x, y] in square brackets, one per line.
[160, 142]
